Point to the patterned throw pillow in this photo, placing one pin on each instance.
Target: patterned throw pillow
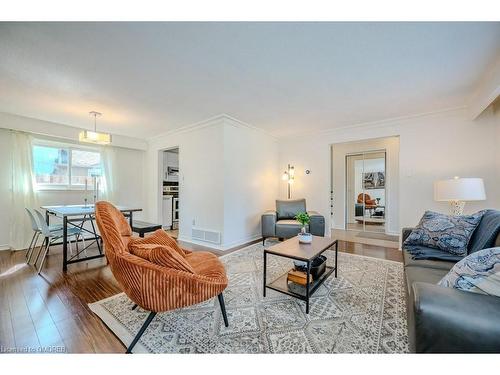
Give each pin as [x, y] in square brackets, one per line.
[479, 273]
[447, 233]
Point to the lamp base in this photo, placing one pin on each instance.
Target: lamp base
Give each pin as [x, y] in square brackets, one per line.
[457, 208]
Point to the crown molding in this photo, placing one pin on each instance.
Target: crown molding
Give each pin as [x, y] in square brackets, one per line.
[241, 124]
[212, 121]
[379, 124]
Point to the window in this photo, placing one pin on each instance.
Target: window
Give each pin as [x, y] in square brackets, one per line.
[84, 166]
[57, 167]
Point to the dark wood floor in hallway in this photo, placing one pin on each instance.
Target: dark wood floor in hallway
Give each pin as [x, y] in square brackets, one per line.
[50, 311]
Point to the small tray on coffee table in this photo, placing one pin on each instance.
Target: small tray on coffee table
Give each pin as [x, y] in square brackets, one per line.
[293, 249]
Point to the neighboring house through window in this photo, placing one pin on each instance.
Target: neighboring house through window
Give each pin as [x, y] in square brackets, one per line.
[65, 167]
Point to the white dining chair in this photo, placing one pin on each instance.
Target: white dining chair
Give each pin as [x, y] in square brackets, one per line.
[36, 233]
[52, 236]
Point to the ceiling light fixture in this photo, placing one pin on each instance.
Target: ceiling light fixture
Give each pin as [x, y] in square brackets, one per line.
[93, 136]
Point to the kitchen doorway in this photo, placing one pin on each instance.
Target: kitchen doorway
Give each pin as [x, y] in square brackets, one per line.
[170, 191]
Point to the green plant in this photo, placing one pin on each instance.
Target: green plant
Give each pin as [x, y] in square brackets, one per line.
[303, 218]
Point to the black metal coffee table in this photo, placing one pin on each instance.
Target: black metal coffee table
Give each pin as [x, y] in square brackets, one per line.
[293, 249]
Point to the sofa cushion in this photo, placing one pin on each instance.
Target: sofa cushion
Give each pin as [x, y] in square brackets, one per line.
[289, 208]
[288, 228]
[161, 255]
[478, 273]
[423, 274]
[444, 232]
[410, 261]
[486, 232]
[206, 264]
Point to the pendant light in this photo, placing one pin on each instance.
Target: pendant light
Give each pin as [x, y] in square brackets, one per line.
[93, 136]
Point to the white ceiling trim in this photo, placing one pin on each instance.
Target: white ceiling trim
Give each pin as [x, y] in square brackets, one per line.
[377, 124]
[488, 90]
[212, 121]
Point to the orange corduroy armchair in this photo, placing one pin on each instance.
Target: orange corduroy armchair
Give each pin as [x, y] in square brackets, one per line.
[154, 272]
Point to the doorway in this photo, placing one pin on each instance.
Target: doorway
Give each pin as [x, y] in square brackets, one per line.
[170, 205]
[365, 203]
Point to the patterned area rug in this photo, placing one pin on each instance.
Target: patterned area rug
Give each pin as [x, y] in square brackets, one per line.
[361, 311]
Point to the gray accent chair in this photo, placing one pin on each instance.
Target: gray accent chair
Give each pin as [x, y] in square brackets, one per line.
[281, 223]
[448, 320]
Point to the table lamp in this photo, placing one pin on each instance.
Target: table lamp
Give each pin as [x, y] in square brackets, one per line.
[459, 190]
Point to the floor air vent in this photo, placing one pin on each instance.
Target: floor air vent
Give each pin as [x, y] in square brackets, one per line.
[205, 235]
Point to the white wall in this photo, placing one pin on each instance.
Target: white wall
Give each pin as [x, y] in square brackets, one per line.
[432, 147]
[250, 181]
[339, 151]
[201, 176]
[227, 179]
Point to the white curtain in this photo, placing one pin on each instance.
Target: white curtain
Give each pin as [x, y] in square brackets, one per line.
[23, 193]
[108, 159]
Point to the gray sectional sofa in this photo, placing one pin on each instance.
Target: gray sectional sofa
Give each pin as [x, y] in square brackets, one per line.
[447, 320]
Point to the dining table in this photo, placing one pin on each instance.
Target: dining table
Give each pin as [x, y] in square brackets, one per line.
[77, 216]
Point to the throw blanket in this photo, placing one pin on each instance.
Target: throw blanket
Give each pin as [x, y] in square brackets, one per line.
[423, 252]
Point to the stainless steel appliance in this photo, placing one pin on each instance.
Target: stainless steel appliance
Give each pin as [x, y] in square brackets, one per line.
[171, 189]
[170, 205]
[175, 213]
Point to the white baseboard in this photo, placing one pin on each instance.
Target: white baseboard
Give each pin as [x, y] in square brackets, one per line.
[223, 247]
[4, 247]
[241, 241]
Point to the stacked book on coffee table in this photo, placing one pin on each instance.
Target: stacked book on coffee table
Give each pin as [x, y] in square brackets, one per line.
[298, 277]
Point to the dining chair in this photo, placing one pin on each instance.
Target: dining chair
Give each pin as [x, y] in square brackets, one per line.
[36, 233]
[52, 236]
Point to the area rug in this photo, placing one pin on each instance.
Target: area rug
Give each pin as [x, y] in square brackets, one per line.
[361, 311]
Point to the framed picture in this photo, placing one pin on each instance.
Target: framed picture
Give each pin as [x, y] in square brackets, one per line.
[374, 180]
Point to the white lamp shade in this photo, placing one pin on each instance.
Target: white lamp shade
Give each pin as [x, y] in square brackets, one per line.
[459, 189]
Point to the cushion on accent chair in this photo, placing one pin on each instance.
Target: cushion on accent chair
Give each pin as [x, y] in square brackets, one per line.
[478, 273]
[158, 237]
[287, 209]
[161, 255]
[447, 233]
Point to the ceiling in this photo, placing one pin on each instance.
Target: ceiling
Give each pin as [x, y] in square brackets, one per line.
[286, 78]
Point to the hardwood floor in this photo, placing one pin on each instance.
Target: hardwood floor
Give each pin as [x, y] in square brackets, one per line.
[50, 311]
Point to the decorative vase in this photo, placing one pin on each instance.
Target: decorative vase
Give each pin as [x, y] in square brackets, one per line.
[305, 237]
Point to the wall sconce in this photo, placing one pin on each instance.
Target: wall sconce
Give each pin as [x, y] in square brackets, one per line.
[289, 176]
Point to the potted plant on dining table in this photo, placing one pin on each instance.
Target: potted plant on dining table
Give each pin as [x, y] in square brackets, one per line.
[304, 219]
